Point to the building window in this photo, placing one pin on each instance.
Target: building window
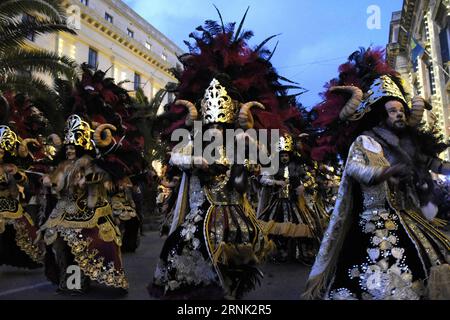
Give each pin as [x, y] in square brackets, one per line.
[164, 56]
[148, 45]
[93, 58]
[444, 39]
[137, 81]
[85, 2]
[26, 18]
[394, 35]
[108, 17]
[130, 33]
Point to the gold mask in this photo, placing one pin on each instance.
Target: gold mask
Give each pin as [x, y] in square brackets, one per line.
[217, 105]
[8, 139]
[78, 132]
[286, 143]
[382, 87]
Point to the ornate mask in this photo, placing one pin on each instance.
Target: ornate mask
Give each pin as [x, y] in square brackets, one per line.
[78, 132]
[8, 139]
[217, 105]
[285, 143]
[382, 87]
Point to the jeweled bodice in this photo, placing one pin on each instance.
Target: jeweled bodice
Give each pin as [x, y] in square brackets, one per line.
[220, 194]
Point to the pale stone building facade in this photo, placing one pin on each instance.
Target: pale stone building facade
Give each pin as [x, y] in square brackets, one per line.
[111, 36]
[427, 23]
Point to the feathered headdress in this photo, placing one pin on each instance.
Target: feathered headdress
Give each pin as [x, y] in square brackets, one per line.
[222, 53]
[108, 109]
[20, 112]
[363, 80]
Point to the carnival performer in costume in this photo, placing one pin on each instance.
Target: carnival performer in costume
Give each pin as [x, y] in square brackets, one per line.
[325, 181]
[170, 182]
[40, 199]
[318, 193]
[29, 122]
[254, 186]
[283, 210]
[215, 242]
[124, 210]
[381, 242]
[81, 228]
[100, 100]
[18, 233]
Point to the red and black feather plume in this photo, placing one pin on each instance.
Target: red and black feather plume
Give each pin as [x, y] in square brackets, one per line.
[332, 135]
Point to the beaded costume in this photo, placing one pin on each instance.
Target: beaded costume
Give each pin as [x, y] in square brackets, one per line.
[80, 228]
[284, 212]
[19, 245]
[382, 243]
[215, 242]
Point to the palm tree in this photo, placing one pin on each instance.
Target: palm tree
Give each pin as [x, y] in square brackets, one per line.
[18, 20]
[146, 120]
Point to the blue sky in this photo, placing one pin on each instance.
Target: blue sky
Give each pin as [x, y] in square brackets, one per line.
[316, 36]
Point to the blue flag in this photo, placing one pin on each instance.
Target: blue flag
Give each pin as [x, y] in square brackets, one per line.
[416, 51]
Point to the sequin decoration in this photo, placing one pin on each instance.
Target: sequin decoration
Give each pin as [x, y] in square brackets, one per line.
[384, 275]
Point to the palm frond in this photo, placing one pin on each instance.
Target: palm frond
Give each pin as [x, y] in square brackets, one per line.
[14, 60]
[145, 120]
[15, 33]
[156, 101]
[19, 65]
[148, 109]
[63, 90]
[27, 84]
[49, 9]
[141, 98]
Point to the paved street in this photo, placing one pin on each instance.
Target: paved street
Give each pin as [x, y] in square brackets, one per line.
[281, 281]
